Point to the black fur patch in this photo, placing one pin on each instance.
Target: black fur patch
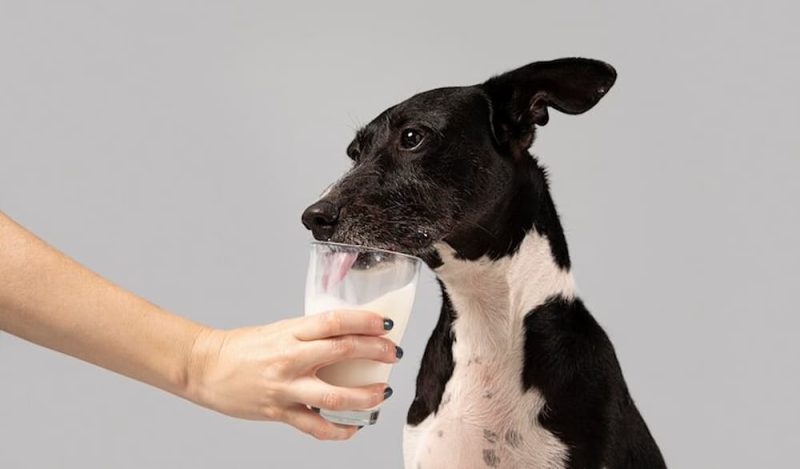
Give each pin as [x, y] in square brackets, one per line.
[436, 367]
[469, 180]
[513, 439]
[490, 457]
[529, 206]
[472, 183]
[569, 359]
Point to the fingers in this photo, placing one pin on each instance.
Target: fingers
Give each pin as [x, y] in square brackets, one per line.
[317, 393]
[318, 353]
[310, 422]
[336, 323]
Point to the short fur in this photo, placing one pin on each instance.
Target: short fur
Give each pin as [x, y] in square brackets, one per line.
[517, 373]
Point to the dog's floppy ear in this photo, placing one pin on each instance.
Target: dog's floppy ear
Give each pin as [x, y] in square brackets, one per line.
[520, 98]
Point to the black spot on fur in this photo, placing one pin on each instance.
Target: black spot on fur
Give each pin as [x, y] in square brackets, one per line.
[490, 458]
[489, 435]
[513, 439]
[440, 433]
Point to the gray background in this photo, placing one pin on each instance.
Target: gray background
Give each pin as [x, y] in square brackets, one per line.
[171, 146]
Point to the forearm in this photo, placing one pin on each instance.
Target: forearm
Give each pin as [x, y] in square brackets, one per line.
[265, 372]
[49, 299]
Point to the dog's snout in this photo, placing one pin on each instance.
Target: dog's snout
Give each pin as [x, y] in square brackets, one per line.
[321, 218]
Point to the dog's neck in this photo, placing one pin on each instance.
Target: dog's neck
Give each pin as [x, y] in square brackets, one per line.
[492, 297]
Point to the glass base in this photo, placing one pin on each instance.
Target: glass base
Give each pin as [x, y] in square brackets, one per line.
[357, 418]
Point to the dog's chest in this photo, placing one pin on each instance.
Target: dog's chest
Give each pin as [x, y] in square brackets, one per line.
[485, 418]
[484, 421]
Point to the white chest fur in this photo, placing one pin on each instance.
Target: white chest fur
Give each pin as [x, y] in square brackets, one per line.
[485, 419]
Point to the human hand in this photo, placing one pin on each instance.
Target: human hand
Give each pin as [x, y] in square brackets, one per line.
[269, 372]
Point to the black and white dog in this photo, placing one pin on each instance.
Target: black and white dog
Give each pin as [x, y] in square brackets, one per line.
[517, 373]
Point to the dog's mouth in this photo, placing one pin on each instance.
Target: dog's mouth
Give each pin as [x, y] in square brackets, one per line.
[337, 265]
[344, 257]
[383, 248]
[397, 229]
[341, 259]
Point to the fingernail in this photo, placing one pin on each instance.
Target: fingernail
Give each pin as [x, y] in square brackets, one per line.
[388, 324]
[387, 393]
[398, 352]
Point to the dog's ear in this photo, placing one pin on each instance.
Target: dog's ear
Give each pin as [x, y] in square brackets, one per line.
[520, 98]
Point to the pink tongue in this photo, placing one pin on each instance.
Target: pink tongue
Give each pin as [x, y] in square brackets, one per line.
[337, 267]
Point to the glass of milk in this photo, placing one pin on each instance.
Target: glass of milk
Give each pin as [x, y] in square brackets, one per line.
[342, 276]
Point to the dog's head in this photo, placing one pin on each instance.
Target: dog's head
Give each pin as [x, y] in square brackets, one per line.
[452, 164]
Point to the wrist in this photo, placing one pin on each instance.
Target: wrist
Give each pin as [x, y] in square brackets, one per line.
[204, 349]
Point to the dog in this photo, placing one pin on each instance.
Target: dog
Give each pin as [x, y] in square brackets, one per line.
[517, 373]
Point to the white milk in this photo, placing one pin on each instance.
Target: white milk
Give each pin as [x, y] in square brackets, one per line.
[395, 305]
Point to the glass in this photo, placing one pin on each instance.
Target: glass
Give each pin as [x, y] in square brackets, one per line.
[342, 276]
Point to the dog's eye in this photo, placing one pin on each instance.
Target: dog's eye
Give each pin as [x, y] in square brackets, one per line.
[411, 138]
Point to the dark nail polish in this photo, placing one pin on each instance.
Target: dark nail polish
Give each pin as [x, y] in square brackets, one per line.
[388, 324]
[398, 352]
[387, 393]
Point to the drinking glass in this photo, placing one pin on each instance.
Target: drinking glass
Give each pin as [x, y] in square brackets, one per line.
[347, 277]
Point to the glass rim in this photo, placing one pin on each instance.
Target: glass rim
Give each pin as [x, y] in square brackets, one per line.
[366, 248]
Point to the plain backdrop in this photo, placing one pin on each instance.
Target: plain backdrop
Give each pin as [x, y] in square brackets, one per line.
[172, 145]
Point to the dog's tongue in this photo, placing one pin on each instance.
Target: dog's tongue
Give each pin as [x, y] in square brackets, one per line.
[337, 267]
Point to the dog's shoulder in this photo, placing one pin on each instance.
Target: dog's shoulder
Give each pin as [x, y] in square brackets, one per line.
[571, 361]
[562, 339]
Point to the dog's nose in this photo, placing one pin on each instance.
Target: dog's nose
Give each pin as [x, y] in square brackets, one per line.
[321, 218]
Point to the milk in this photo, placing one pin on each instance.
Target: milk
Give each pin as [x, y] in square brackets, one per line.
[395, 305]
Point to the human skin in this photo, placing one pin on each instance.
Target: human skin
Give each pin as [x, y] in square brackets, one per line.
[265, 372]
